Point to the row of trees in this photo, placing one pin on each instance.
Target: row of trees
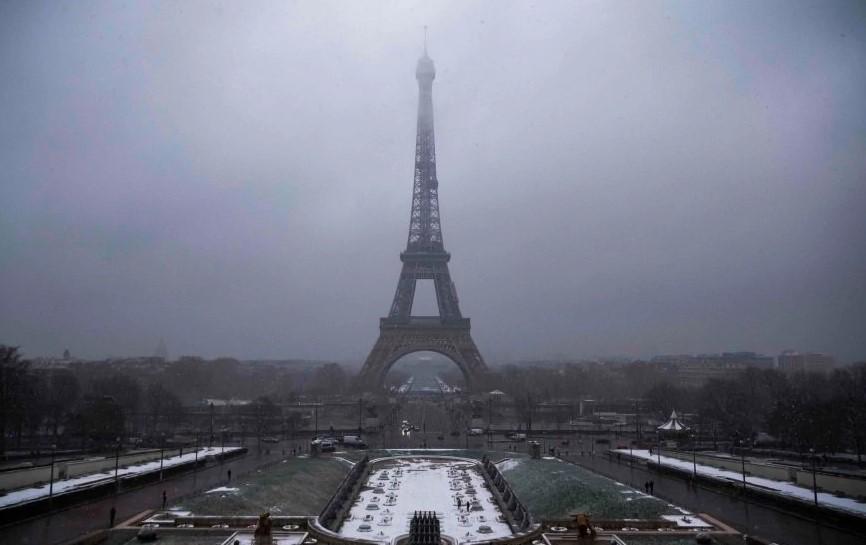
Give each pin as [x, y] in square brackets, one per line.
[824, 411]
[35, 403]
[92, 404]
[97, 402]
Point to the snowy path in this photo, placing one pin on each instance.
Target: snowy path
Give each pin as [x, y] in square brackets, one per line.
[399, 488]
[60, 487]
[779, 487]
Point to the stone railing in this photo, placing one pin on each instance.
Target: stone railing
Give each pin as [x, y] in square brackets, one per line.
[520, 517]
[331, 514]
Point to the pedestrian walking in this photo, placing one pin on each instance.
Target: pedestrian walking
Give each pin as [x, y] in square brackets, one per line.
[164, 499]
[229, 472]
[459, 504]
[646, 486]
[111, 515]
[652, 487]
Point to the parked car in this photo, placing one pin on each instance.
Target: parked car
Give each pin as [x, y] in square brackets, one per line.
[324, 444]
[354, 441]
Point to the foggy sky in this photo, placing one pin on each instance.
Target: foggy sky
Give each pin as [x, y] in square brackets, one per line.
[615, 178]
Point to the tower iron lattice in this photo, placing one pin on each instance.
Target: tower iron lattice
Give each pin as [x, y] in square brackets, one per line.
[425, 258]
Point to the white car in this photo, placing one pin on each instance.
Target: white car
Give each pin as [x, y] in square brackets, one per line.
[324, 444]
[354, 441]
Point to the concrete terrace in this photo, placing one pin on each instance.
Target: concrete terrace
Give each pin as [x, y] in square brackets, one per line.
[398, 487]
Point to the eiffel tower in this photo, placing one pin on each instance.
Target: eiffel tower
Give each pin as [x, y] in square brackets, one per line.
[425, 258]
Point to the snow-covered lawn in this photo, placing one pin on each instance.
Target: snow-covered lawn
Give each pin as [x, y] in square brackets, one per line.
[60, 487]
[779, 487]
[400, 487]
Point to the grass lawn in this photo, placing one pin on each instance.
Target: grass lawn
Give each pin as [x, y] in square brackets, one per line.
[553, 489]
[295, 486]
[549, 488]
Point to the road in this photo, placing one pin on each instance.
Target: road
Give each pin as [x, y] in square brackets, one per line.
[435, 419]
[747, 516]
[63, 525]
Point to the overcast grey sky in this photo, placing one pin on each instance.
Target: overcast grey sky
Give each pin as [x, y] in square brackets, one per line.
[616, 178]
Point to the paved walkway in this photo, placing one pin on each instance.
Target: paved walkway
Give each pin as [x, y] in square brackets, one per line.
[784, 489]
[63, 525]
[752, 518]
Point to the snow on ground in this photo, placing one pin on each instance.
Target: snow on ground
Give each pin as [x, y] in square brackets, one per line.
[340, 458]
[687, 521]
[779, 487]
[60, 487]
[222, 489]
[398, 488]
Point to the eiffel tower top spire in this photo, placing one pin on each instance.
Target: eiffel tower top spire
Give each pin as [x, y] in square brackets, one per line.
[425, 230]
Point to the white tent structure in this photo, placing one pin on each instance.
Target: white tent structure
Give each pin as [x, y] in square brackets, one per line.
[673, 424]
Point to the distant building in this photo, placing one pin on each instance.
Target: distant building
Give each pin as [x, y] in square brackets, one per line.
[694, 371]
[794, 362]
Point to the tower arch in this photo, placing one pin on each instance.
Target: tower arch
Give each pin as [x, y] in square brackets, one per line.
[405, 355]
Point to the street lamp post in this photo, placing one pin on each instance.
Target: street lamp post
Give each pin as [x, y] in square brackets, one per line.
[51, 480]
[694, 458]
[490, 419]
[659, 447]
[743, 462]
[195, 465]
[814, 477]
[116, 464]
[211, 410]
[630, 454]
[161, 455]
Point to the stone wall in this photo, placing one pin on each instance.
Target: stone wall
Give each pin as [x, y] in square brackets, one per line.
[333, 513]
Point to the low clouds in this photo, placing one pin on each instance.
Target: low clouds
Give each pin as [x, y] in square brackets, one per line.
[615, 178]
